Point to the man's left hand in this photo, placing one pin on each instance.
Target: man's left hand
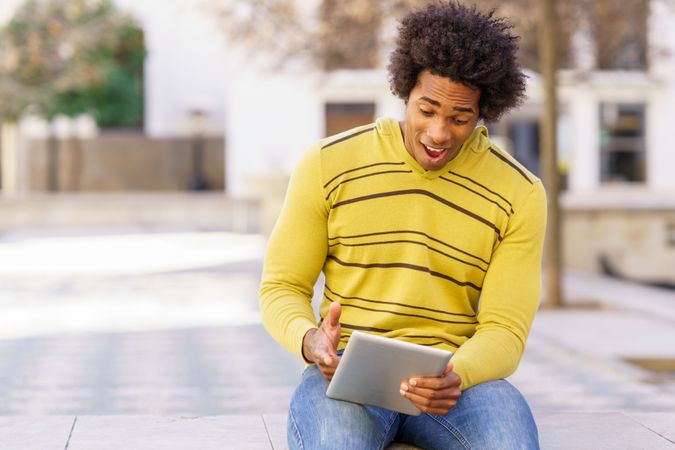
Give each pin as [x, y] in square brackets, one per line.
[434, 395]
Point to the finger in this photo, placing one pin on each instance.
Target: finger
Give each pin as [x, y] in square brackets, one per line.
[449, 368]
[328, 362]
[436, 411]
[444, 381]
[435, 383]
[327, 373]
[431, 406]
[333, 317]
[329, 370]
[433, 394]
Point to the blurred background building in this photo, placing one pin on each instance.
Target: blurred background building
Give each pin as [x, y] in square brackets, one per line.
[229, 99]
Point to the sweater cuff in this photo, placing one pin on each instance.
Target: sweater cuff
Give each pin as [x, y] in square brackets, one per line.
[461, 369]
[298, 331]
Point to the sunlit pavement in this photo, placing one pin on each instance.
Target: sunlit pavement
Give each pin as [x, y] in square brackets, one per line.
[127, 282]
[132, 322]
[576, 357]
[140, 323]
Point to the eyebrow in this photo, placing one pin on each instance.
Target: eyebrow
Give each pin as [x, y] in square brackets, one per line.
[456, 108]
[429, 100]
[463, 109]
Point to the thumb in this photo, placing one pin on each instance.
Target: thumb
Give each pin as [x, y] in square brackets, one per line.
[333, 317]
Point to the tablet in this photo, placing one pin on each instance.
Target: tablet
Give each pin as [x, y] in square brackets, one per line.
[372, 368]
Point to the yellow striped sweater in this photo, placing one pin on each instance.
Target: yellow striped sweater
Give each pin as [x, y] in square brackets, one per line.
[448, 258]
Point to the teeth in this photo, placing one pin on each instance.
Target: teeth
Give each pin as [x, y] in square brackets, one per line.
[434, 150]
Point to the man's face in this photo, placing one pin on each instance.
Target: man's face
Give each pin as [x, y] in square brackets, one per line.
[440, 115]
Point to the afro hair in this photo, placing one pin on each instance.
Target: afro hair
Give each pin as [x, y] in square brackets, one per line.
[464, 45]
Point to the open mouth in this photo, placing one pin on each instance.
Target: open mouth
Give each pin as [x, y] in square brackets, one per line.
[434, 153]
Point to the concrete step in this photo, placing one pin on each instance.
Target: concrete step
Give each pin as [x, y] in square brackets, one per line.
[569, 430]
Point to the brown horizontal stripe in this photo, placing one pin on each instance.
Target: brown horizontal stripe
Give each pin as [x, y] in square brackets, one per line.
[398, 304]
[431, 344]
[347, 137]
[360, 328]
[483, 186]
[425, 193]
[444, 340]
[477, 193]
[405, 266]
[365, 176]
[379, 233]
[405, 241]
[362, 167]
[510, 163]
[386, 311]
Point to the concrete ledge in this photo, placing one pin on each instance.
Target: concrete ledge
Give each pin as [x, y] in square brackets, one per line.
[207, 210]
[558, 430]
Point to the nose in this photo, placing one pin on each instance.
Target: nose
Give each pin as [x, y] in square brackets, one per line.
[439, 132]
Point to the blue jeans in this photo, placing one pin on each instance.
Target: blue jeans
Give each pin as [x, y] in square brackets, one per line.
[492, 415]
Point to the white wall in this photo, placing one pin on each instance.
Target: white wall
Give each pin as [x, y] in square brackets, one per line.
[584, 171]
[661, 111]
[271, 121]
[186, 67]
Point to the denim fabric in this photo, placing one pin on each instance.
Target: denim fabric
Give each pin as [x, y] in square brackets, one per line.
[492, 415]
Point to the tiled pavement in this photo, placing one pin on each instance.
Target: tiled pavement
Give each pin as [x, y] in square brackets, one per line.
[103, 334]
[105, 327]
[557, 431]
[575, 358]
[199, 371]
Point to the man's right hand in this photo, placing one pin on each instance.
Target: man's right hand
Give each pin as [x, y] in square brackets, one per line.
[320, 344]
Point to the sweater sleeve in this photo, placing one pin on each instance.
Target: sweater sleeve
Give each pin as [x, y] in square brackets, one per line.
[509, 298]
[296, 253]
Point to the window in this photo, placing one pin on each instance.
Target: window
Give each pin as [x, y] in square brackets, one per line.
[343, 116]
[622, 142]
[525, 139]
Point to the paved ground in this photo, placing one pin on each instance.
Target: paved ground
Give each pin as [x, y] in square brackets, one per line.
[557, 431]
[139, 323]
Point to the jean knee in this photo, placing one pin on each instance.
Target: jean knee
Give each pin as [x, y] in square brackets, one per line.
[316, 421]
[505, 418]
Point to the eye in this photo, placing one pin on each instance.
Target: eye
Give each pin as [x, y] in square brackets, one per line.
[460, 121]
[426, 112]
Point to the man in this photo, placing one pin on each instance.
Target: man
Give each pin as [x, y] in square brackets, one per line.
[425, 232]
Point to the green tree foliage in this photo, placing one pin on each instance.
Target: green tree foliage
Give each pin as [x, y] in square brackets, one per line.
[71, 57]
[116, 99]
